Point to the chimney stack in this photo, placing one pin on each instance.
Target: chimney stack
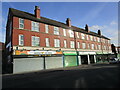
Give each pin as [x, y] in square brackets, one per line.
[99, 32]
[37, 12]
[68, 22]
[86, 28]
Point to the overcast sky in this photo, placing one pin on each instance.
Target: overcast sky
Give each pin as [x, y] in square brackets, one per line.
[98, 15]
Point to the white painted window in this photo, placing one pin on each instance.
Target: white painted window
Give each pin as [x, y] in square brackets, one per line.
[87, 37]
[21, 23]
[64, 32]
[99, 47]
[35, 26]
[98, 39]
[94, 38]
[35, 41]
[104, 47]
[77, 34]
[71, 33]
[65, 43]
[83, 45]
[91, 38]
[88, 46]
[56, 43]
[83, 36]
[56, 30]
[78, 43]
[72, 44]
[109, 47]
[21, 40]
[46, 28]
[92, 46]
[47, 42]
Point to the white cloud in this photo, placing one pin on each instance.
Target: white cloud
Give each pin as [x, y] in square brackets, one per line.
[113, 23]
[110, 31]
[97, 27]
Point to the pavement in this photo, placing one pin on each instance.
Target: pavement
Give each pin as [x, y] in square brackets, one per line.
[83, 76]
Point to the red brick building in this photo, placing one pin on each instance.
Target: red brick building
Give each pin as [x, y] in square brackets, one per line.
[26, 31]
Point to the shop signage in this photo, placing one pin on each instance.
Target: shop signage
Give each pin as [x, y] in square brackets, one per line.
[30, 52]
[99, 53]
[70, 53]
[85, 53]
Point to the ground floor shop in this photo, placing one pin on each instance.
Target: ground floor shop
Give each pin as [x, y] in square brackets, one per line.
[87, 57]
[70, 58]
[27, 61]
[102, 57]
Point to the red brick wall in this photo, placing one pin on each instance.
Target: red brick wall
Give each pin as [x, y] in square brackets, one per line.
[28, 33]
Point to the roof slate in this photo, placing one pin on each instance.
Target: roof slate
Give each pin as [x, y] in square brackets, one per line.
[32, 17]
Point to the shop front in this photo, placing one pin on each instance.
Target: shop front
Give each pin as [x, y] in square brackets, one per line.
[103, 57]
[70, 59]
[33, 60]
[87, 57]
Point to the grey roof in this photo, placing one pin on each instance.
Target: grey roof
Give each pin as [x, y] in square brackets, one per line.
[30, 16]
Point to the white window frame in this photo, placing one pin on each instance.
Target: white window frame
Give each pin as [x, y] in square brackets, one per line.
[72, 44]
[83, 45]
[91, 38]
[83, 36]
[35, 41]
[77, 34]
[56, 43]
[78, 44]
[98, 39]
[99, 47]
[34, 25]
[47, 42]
[46, 28]
[94, 38]
[20, 40]
[64, 32]
[56, 30]
[65, 43]
[88, 46]
[87, 37]
[21, 23]
[71, 33]
[92, 46]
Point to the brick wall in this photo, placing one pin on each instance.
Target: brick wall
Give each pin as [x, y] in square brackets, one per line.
[28, 33]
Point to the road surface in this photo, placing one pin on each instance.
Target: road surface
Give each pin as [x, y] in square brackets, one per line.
[93, 76]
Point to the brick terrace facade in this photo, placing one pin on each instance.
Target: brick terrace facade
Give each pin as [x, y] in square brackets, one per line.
[27, 32]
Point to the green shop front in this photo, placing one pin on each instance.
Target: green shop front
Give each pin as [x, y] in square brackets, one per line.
[102, 57]
[70, 59]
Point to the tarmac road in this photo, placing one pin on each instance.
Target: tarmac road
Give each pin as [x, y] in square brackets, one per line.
[90, 76]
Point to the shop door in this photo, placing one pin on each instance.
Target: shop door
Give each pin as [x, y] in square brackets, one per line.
[91, 58]
[70, 61]
[84, 59]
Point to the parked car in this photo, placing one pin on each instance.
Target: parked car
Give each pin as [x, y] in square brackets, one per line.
[114, 61]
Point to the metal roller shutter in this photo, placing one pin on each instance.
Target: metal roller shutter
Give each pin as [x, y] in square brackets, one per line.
[53, 62]
[27, 64]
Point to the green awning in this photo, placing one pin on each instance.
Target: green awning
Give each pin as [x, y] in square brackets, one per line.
[69, 53]
[99, 53]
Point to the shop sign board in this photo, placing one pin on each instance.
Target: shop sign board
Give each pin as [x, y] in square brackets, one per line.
[86, 53]
[31, 52]
[99, 53]
[69, 53]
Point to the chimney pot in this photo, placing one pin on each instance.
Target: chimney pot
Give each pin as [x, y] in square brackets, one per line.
[99, 32]
[86, 28]
[68, 22]
[37, 12]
